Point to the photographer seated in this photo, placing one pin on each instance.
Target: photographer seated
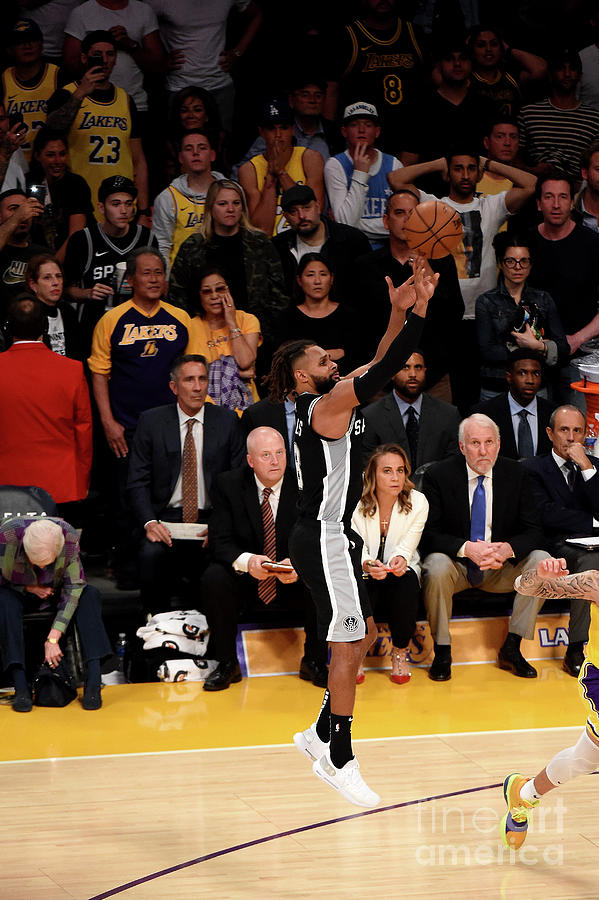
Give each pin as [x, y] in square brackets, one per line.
[253, 513]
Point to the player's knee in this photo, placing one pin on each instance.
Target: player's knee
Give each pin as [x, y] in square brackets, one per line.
[581, 759]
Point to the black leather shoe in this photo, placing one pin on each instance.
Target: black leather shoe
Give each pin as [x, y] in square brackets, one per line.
[440, 669]
[573, 661]
[22, 702]
[226, 673]
[92, 698]
[511, 659]
[313, 671]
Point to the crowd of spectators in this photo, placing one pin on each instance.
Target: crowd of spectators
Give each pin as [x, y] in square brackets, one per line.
[186, 185]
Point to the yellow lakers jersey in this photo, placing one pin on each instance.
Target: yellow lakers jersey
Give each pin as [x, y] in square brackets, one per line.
[29, 102]
[592, 648]
[188, 218]
[294, 169]
[99, 139]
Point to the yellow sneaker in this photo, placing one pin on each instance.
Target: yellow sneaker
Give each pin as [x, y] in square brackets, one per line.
[514, 824]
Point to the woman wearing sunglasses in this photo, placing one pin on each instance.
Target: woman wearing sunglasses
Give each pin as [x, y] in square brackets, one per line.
[514, 315]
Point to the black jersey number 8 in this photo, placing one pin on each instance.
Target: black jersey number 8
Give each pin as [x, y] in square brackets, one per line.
[96, 155]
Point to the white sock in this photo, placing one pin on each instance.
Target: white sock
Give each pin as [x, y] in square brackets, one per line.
[528, 792]
[581, 759]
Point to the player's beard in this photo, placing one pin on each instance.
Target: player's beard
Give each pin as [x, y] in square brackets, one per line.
[324, 385]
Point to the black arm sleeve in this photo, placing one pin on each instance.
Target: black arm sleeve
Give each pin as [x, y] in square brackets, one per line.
[402, 347]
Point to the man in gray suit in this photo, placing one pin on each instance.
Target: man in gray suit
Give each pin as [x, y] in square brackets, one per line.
[426, 428]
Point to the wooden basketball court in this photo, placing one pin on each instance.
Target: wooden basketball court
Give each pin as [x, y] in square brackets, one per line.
[170, 792]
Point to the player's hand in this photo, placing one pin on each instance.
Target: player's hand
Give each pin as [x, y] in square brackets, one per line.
[375, 569]
[287, 577]
[158, 533]
[255, 567]
[145, 221]
[275, 159]
[502, 551]
[360, 158]
[442, 168]
[13, 139]
[27, 211]
[52, 652]
[119, 33]
[576, 454]
[528, 339]
[574, 343]
[227, 60]
[552, 568]
[100, 292]
[39, 591]
[404, 296]
[91, 79]
[481, 553]
[115, 435]
[174, 60]
[398, 566]
[229, 310]
[203, 534]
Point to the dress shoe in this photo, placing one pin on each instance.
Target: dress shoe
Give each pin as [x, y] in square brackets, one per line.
[510, 658]
[440, 669]
[226, 673]
[92, 698]
[311, 670]
[22, 702]
[573, 660]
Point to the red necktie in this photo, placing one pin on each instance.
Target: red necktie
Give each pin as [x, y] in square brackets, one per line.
[189, 476]
[267, 589]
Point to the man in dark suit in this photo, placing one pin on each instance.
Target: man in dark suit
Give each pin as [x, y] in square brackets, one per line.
[272, 414]
[482, 530]
[177, 452]
[566, 490]
[521, 416]
[426, 428]
[254, 511]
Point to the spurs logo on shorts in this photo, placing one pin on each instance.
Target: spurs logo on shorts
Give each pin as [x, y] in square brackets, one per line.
[351, 624]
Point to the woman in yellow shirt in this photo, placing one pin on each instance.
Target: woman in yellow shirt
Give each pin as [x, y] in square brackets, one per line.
[229, 339]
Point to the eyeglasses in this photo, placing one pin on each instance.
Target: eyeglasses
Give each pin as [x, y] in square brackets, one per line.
[511, 262]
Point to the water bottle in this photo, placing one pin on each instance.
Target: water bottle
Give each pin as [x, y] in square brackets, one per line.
[590, 438]
[121, 649]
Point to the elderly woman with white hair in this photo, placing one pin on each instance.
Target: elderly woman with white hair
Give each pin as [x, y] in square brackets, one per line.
[39, 561]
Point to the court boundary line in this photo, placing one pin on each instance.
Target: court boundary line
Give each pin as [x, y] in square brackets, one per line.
[399, 737]
[120, 889]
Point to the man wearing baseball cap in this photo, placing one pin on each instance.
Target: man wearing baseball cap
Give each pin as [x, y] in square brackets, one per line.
[356, 180]
[96, 256]
[265, 177]
[30, 82]
[311, 232]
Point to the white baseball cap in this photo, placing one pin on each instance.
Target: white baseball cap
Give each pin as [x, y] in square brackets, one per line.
[360, 110]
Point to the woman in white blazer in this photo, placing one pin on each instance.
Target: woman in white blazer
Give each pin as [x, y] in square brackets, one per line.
[390, 517]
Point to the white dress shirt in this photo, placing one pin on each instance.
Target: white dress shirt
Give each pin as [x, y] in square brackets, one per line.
[532, 419]
[488, 486]
[198, 439]
[241, 563]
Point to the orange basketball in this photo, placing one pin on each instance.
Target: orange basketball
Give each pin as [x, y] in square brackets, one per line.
[433, 229]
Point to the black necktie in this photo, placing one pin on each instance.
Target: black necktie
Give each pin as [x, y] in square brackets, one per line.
[525, 445]
[570, 467]
[412, 435]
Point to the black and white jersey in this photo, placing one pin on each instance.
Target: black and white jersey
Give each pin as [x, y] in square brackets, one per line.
[329, 471]
[92, 257]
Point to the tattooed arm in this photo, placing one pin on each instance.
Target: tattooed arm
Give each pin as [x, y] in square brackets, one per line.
[551, 580]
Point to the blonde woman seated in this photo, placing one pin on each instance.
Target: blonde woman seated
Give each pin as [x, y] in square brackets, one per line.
[390, 518]
[228, 338]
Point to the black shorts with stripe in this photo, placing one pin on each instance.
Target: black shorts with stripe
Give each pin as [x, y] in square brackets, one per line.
[328, 558]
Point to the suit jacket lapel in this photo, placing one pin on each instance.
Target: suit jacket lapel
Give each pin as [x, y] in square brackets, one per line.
[172, 444]
[506, 430]
[395, 418]
[252, 506]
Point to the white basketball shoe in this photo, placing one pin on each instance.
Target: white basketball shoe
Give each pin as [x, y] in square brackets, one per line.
[347, 781]
[308, 743]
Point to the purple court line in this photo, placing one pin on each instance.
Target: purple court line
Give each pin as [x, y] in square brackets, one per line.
[274, 837]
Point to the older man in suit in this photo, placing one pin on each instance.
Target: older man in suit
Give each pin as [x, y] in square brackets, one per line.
[521, 415]
[45, 414]
[566, 490]
[426, 427]
[254, 511]
[482, 530]
[177, 452]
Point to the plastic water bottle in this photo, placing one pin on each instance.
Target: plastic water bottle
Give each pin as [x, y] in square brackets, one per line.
[591, 437]
[121, 649]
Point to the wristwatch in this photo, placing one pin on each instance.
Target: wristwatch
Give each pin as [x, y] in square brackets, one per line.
[51, 640]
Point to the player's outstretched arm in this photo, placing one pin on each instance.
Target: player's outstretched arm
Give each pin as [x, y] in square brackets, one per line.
[551, 580]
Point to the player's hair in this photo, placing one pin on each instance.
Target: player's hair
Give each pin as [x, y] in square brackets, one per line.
[500, 120]
[586, 156]
[199, 93]
[206, 228]
[142, 251]
[26, 319]
[521, 353]
[459, 150]
[41, 539]
[477, 30]
[13, 192]
[368, 501]
[205, 132]
[397, 193]
[194, 302]
[183, 358]
[36, 262]
[505, 239]
[477, 419]
[96, 37]
[554, 175]
[43, 137]
[307, 258]
[567, 407]
[281, 381]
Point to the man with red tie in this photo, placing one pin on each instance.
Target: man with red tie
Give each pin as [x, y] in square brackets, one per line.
[253, 512]
[45, 415]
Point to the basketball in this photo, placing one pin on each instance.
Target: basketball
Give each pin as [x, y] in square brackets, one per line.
[433, 229]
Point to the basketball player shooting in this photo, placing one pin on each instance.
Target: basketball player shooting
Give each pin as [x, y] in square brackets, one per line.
[522, 794]
[324, 550]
